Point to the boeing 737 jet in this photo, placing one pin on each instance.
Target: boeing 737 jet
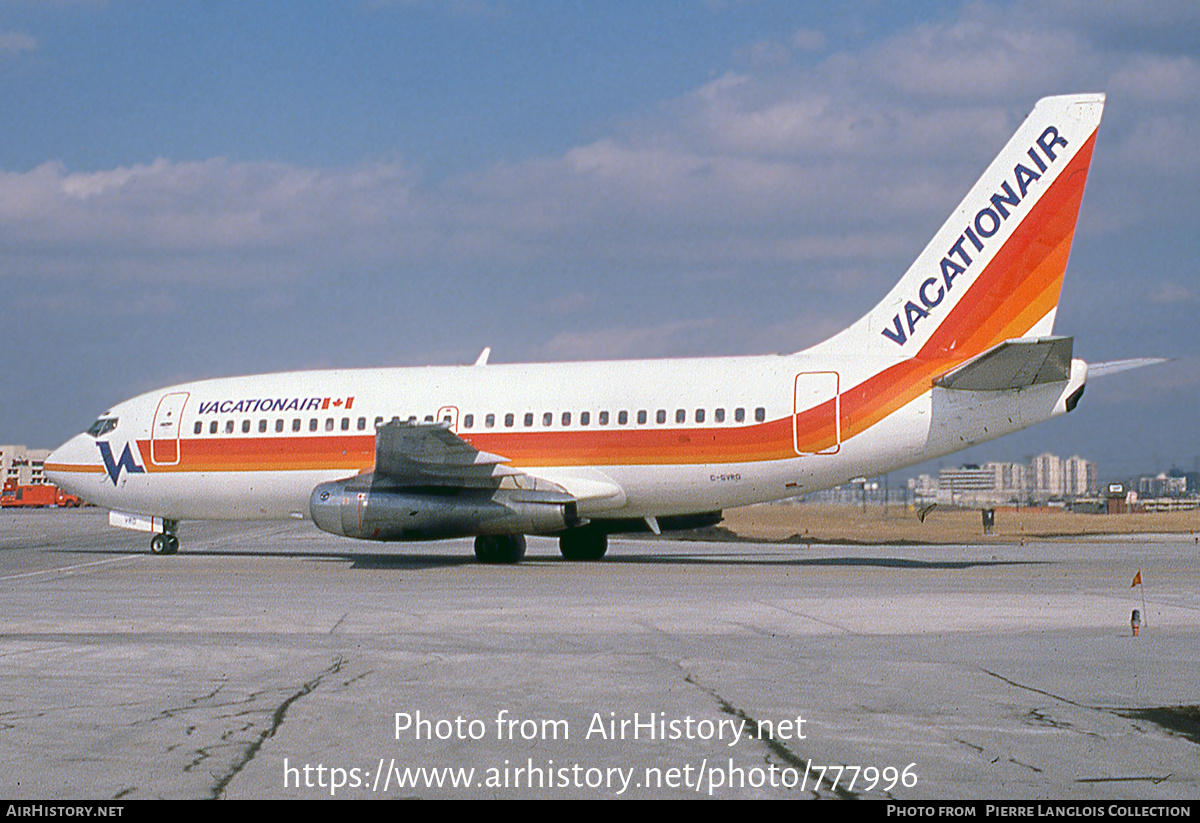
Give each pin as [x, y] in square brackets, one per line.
[961, 350]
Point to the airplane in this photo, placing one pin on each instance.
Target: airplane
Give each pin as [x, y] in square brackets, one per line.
[959, 352]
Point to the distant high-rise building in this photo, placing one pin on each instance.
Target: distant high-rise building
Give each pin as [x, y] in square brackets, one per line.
[1047, 478]
[1079, 477]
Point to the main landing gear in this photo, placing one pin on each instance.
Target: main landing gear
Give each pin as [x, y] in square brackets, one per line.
[500, 548]
[583, 544]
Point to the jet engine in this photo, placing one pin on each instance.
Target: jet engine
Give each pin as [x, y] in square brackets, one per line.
[372, 510]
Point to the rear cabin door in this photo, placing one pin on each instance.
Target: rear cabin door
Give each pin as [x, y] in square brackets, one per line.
[816, 421]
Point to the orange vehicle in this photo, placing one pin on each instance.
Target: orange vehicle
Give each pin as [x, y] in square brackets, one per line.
[37, 496]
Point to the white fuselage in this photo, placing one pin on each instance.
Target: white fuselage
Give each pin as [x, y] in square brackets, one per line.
[733, 431]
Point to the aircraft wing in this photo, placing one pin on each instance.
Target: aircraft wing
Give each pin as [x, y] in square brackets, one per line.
[429, 454]
[409, 454]
[1013, 364]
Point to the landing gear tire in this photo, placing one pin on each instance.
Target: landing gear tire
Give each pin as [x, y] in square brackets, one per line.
[164, 544]
[583, 544]
[500, 548]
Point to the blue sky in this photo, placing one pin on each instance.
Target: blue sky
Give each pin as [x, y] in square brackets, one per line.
[191, 190]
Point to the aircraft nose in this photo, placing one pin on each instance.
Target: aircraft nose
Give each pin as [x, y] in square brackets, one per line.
[67, 464]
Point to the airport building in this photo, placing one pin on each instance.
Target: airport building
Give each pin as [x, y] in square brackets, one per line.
[22, 466]
[993, 484]
[1162, 485]
[1047, 477]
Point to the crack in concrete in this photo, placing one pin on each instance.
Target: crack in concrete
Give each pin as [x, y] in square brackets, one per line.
[358, 677]
[1043, 718]
[1037, 691]
[1181, 721]
[1143, 779]
[1029, 766]
[781, 751]
[276, 721]
[339, 622]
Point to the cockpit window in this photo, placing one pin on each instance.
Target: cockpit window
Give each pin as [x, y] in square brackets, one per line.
[102, 426]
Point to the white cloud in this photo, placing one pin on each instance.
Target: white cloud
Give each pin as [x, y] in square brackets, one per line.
[809, 40]
[616, 343]
[1158, 79]
[853, 159]
[12, 42]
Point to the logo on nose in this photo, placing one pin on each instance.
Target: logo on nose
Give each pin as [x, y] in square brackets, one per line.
[113, 467]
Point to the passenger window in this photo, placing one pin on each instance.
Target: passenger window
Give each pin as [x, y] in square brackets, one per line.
[566, 418]
[660, 416]
[212, 427]
[199, 427]
[508, 420]
[739, 415]
[680, 416]
[312, 424]
[378, 421]
[760, 414]
[279, 425]
[468, 421]
[585, 418]
[719, 415]
[328, 424]
[245, 427]
[548, 419]
[428, 418]
[489, 421]
[362, 424]
[345, 424]
[296, 424]
[641, 418]
[623, 417]
[528, 418]
[699, 415]
[229, 427]
[603, 419]
[262, 426]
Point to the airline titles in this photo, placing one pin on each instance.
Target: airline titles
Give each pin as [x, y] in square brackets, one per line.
[284, 404]
[968, 247]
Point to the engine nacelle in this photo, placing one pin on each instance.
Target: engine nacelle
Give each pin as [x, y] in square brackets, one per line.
[361, 508]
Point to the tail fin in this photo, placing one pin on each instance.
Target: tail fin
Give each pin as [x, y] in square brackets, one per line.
[994, 271]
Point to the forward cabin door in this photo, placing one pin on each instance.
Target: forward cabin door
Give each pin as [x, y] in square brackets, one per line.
[164, 431]
[817, 419]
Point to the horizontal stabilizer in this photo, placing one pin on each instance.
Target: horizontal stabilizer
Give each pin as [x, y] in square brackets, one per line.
[1013, 364]
[1114, 366]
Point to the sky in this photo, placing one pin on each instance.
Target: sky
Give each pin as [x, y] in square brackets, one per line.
[192, 190]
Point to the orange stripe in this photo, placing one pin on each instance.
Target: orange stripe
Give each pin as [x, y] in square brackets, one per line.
[67, 468]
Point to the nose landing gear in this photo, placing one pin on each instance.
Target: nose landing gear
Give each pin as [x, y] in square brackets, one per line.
[167, 542]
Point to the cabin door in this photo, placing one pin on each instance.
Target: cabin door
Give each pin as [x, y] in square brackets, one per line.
[164, 431]
[816, 421]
